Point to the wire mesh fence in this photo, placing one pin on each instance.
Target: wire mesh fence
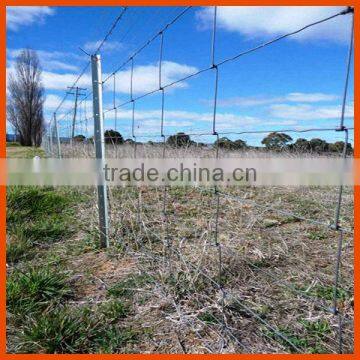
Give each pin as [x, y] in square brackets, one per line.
[250, 281]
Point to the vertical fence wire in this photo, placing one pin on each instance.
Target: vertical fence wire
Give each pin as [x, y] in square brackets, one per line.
[337, 225]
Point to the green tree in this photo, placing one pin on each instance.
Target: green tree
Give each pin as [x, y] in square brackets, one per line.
[224, 143]
[129, 141]
[338, 147]
[276, 141]
[240, 144]
[79, 138]
[318, 145]
[113, 137]
[179, 140]
[301, 145]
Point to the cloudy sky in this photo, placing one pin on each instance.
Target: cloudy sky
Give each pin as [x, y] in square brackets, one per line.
[296, 83]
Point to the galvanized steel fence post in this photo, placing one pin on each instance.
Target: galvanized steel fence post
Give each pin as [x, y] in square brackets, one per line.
[100, 147]
[57, 137]
[50, 140]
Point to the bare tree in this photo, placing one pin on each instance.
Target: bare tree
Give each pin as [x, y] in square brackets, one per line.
[26, 98]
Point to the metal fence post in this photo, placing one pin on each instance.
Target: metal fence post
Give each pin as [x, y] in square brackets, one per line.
[57, 137]
[99, 146]
[50, 140]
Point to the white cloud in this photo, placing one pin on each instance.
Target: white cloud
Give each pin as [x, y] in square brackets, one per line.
[181, 118]
[17, 16]
[291, 97]
[91, 46]
[309, 112]
[65, 113]
[55, 81]
[146, 77]
[311, 97]
[52, 101]
[268, 21]
[50, 60]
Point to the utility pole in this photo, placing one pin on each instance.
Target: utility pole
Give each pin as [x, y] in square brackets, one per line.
[77, 91]
[100, 147]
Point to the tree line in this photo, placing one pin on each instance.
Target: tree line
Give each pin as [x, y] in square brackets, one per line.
[275, 141]
[25, 113]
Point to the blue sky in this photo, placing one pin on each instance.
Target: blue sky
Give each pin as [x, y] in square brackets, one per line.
[296, 83]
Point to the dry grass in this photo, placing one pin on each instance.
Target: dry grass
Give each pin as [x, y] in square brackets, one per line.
[145, 150]
[276, 269]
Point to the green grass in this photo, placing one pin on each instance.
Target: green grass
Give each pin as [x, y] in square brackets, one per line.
[182, 285]
[208, 318]
[327, 292]
[37, 216]
[19, 247]
[34, 288]
[89, 242]
[35, 304]
[126, 286]
[12, 144]
[76, 330]
[298, 341]
[317, 235]
[310, 341]
[27, 152]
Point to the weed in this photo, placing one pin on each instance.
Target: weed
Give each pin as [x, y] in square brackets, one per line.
[34, 288]
[67, 330]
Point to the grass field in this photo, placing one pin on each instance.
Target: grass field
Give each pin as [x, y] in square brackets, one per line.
[156, 288]
[26, 152]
